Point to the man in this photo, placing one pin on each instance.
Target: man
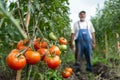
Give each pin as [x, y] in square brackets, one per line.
[83, 34]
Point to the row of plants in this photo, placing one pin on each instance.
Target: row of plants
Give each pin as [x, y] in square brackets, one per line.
[33, 44]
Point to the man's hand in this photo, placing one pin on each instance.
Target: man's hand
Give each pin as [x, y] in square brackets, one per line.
[93, 45]
[93, 41]
[72, 46]
[71, 41]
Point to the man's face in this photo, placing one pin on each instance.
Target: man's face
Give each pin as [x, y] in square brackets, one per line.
[82, 16]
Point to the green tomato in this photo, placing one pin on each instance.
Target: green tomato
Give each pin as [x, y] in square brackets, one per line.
[52, 36]
[63, 47]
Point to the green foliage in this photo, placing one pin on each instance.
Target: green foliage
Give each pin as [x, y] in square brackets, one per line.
[98, 58]
[107, 21]
[48, 16]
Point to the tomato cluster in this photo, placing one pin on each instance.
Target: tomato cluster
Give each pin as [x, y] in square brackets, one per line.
[40, 49]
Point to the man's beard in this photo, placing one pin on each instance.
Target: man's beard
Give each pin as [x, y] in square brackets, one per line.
[82, 19]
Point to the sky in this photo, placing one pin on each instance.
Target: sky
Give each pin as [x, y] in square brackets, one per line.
[87, 5]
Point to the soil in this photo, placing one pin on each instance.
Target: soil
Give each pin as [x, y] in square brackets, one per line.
[6, 75]
[100, 72]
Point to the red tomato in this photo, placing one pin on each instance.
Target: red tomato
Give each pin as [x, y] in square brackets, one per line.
[32, 57]
[53, 62]
[36, 44]
[14, 61]
[43, 44]
[62, 40]
[20, 44]
[66, 74]
[68, 69]
[55, 50]
[43, 52]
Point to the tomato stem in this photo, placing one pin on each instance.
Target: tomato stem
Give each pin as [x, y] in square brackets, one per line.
[29, 72]
[20, 13]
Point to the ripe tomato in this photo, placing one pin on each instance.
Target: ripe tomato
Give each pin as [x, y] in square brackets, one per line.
[68, 69]
[14, 61]
[53, 62]
[55, 50]
[20, 44]
[42, 52]
[32, 57]
[21, 47]
[43, 44]
[66, 74]
[62, 40]
[36, 45]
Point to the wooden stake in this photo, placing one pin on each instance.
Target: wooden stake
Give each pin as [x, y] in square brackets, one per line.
[118, 43]
[18, 76]
[27, 20]
[106, 45]
[117, 36]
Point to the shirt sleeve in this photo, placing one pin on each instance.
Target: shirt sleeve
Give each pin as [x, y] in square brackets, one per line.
[91, 27]
[73, 28]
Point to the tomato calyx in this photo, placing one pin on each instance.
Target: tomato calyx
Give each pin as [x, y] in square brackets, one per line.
[52, 54]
